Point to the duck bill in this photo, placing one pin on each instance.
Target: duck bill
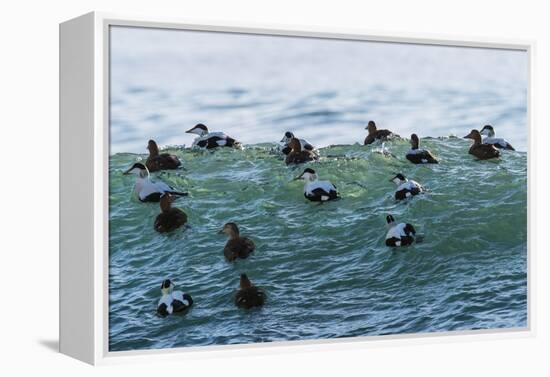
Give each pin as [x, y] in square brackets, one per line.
[127, 172]
[468, 136]
[298, 177]
[220, 231]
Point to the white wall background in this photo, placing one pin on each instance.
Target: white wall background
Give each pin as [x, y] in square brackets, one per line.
[29, 188]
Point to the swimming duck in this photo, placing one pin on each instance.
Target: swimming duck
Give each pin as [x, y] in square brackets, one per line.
[146, 189]
[169, 218]
[303, 143]
[237, 246]
[406, 188]
[419, 156]
[489, 131]
[479, 150]
[399, 234]
[317, 191]
[375, 134]
[297, 155]
[172, 301]
[210, 140]
[248, 296]
[160, 161]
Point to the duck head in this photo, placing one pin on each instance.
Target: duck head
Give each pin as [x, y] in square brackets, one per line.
[245, 282]
[166, 287]
[200, 129]
[371, 127]
[230, 229]
[308, 175]
[295, 145]
[166, 201]
[288, 136]
[152, 148]
[399, 179]
[139, 169]
[475, 136]
[414, 141]
[487, 130]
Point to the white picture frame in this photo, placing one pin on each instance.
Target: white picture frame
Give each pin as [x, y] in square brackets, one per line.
[84, 132]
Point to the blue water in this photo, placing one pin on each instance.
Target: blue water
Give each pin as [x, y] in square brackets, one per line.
[324, 268]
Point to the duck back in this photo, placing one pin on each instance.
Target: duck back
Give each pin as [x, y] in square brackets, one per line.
[249, 298]
[240, 247]
[170, 220]
[163, 161]
[484, 151]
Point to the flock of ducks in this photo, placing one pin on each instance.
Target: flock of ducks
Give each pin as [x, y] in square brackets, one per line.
[297, 151]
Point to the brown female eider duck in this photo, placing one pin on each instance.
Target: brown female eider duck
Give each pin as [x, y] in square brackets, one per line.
[169, 218]
[317, 191]
[248, 296]
[419, 156]
[145, 188]
[399, 234]
[236, 246]
[172, 301]
[297, 155]
[489, 131]
[160, 161]
[375, 134]
[479, 150]
[303, 143]
[210, 140]
[406, 188]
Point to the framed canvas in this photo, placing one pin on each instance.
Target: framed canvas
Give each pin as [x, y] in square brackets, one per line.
[238, 187]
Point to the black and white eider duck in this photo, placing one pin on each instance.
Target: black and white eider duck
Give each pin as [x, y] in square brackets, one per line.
[160, 161]
[500, 143]
[172, 301]
[480, 150]
[317, 191]
[297, 155]
[286, 141]
[376, 134]
[419, 156]
[249, 296]
[236, 246]
[399, 234]
[210, 140]
[169, 218]
[406, 188]
[146, 189]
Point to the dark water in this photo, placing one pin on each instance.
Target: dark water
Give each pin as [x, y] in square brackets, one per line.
[324, 267]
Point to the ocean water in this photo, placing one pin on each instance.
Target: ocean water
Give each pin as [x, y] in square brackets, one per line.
[325, 268]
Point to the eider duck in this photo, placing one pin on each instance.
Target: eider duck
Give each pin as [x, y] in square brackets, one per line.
[286, 141]
[297, 155]
[210, 140]
[248, 296]
[375, 134]
[146, 189]
[399, 234]
[419, 156]
[317, 191]
[406, 188]
[172, 301]
[489, 131]
[160, 161]
[479, 150]
[236, 246]
[169, 218]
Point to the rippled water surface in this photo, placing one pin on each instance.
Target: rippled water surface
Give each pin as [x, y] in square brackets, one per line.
[324, 267]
